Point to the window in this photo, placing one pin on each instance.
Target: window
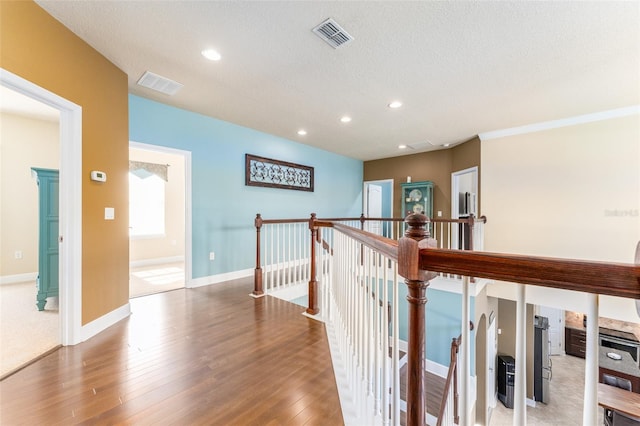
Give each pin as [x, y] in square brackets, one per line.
[146, 205]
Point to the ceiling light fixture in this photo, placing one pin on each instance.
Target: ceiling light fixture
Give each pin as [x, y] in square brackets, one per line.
[211, 54]
[395, 104]
[402, 146]
[446, 145]
[345, 119]
[302, 132]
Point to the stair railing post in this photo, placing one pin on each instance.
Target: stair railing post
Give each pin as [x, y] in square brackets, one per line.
[257, 274]
[417, 280]
[313, 283]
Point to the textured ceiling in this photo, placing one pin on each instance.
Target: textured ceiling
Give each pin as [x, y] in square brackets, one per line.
[460, 68]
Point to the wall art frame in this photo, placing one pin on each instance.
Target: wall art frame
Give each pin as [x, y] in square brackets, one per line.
[267, 172]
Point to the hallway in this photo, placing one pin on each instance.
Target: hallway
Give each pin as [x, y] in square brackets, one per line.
[210, 355]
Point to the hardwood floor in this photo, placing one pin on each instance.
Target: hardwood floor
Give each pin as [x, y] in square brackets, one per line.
[211, 355]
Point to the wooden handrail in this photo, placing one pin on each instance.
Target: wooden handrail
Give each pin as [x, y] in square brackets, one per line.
[613, 279]
[419, 261]
[386, 246]
[452, 380]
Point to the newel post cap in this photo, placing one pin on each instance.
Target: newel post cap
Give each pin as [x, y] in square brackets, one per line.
[416, 238]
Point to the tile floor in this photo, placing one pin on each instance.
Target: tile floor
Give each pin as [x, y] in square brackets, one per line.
[566, 398]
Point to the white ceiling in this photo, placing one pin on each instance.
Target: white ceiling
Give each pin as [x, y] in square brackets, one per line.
[460, 67]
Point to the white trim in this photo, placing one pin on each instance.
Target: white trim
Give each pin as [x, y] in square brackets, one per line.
[70, 201]
[188, 244]
[290, 292]
[564, 122]
[18, 278]
[220, 278]
[155, 261]
[437, 369]
[100, 324]
[364, 193]
[454, 285]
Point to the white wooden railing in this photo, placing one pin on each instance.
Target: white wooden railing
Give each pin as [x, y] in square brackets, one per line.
[352, 297]
[284, 245]
[363, 314]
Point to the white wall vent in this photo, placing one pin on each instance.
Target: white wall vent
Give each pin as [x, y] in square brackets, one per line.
[158, 83]
[333, 33]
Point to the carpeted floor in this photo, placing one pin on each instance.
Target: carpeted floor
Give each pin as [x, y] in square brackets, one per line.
[25, 332]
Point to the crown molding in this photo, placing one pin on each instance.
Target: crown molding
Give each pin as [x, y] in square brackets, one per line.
[564, 122]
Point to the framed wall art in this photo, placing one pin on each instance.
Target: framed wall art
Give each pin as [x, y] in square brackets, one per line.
[267, 172]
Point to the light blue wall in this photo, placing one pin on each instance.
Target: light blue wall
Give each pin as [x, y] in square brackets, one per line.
[223, 208]
[443, 322]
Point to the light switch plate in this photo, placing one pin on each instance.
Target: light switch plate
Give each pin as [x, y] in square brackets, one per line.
[109, 213]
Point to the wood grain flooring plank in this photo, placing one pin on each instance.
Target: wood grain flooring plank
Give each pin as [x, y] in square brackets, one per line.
[211, 355]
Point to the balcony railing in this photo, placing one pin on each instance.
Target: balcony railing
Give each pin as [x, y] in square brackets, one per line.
[359, 282]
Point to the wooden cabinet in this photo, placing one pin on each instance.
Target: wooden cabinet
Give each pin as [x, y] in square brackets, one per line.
[417, 197]
[575, 342]
[48, 186]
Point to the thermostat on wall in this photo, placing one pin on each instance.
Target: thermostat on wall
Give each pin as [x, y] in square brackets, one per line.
[98, 176]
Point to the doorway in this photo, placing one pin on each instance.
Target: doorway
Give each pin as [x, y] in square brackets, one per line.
[378, 203]
[556, 328]
[464, 199]
[159, 242]
[69, 136]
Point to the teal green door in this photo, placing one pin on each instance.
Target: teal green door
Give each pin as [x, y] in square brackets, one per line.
[48, 224]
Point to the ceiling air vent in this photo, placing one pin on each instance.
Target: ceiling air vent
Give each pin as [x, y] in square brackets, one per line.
[333, 33]
[158, 83]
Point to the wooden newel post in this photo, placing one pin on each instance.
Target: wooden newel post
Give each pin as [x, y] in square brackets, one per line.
[417, 280]
[257, 274]
[313, 284]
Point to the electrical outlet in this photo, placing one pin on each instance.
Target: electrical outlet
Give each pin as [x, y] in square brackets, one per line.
[17, 254]
[212, 256]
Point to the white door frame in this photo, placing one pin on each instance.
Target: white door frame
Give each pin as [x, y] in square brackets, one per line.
[188, 283]
[375, 182]
[70, 202]
[365, 199]
[492, 353]
[455, 189]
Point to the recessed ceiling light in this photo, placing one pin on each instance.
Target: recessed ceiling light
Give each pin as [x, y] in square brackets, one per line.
[402, 146]
[345, 119]
[211, 54]
[395, 104]
[302, 132]
[446, 145]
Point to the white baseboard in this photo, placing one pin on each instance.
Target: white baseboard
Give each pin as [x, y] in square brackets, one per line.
[18, 278]
[155, 261]
[220, 278]
[100, 324]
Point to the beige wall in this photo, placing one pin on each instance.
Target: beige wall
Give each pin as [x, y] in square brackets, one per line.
[550, 193]
[24, 143]
[435, 166]
[172, 243]
[38, 48]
